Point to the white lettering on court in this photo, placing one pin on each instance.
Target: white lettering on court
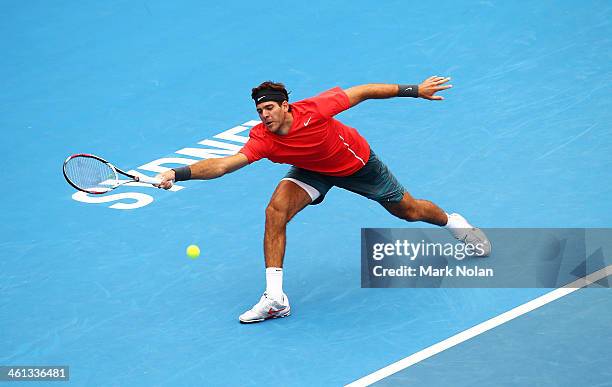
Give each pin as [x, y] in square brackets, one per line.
[211, 149]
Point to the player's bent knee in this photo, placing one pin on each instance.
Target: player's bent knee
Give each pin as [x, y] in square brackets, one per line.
[277, 213]
[409, 212]
[411, 215]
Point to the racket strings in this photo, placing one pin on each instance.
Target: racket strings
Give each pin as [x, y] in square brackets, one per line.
[88, 173]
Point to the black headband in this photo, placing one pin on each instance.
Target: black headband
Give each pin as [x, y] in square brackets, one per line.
[266, 95]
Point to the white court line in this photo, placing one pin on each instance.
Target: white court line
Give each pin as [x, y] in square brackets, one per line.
[482, 327]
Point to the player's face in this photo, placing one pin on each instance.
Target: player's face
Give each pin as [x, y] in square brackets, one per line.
[272, 114]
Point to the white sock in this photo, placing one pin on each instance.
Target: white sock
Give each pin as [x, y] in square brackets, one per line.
[456, 221]
[274, 283]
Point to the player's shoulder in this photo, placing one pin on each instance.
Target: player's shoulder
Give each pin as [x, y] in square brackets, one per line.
[325, 104]
[334, 92]
[333, 96]
[305, 111]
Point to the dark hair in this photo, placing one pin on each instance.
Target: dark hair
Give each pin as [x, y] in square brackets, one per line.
[271, 85]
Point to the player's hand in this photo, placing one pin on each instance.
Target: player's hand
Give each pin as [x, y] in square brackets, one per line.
[167, 179]
[429, 87]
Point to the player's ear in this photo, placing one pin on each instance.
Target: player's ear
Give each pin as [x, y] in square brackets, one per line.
[285, 106]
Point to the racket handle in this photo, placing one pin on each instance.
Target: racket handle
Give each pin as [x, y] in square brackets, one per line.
[149, 180]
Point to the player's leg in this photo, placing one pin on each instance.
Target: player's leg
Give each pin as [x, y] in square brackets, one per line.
[292, 194]
[416, 210]
[419, 210]
[376, 182]
[287, 200]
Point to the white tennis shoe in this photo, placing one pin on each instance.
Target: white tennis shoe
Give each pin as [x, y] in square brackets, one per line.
[467, 233]
[265, 309]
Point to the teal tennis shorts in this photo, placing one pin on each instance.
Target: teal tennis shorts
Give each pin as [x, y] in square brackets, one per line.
[374, 181]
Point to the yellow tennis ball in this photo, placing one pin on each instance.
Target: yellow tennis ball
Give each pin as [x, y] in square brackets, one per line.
[193, 251]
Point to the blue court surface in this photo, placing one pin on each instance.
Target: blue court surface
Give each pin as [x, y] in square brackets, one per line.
[103, 285]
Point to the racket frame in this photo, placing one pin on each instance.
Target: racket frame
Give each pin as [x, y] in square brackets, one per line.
[134, 178]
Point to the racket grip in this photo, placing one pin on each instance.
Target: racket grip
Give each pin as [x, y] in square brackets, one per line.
[149, 180]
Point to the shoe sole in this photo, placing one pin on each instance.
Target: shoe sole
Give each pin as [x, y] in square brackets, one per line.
[264, 319]
[482, 238]
[481, 235]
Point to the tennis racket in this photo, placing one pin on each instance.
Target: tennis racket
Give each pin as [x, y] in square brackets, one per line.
[94, 175]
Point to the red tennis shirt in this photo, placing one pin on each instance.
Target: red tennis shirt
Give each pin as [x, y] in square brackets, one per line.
[316, 141]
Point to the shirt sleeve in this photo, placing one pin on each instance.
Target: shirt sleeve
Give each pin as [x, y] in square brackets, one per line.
[255, 148]
[331, 102]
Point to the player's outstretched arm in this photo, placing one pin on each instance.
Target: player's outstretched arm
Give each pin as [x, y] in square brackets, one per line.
[427, 90]
[204, 169]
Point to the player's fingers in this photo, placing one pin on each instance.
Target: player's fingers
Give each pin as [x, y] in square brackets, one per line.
[161, 180]
[438, 88]
[442, 80]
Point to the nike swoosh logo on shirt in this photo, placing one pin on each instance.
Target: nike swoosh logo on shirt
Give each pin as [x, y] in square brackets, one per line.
[307, 122]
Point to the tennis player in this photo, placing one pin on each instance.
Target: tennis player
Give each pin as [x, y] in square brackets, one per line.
[323, 153]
